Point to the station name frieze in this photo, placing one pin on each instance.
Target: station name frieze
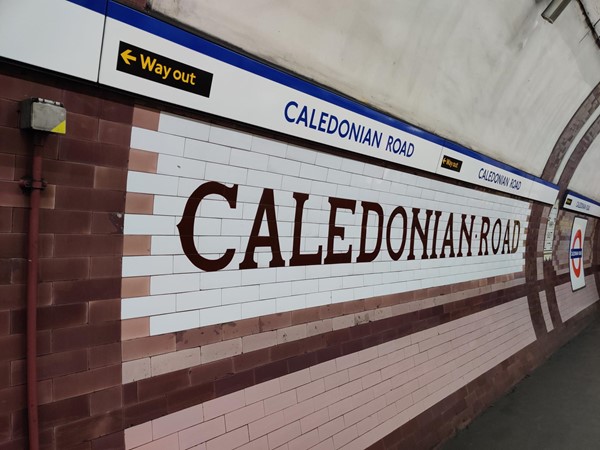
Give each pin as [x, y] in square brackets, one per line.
[329, 123]
[410, 231]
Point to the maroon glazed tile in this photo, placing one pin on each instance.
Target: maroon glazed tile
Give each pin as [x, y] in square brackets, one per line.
[159, 385]
[190, 396]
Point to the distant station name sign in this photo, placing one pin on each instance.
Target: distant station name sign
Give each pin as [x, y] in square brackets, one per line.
[160, 69]
[581, 204]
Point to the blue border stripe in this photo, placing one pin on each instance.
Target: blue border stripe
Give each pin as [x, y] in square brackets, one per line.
[169, 32]
[186, 39]
[582, 197]
[99, 6]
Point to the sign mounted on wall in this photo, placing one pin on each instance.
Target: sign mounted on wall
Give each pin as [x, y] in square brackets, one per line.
[549, 236]
[578, 203]
[123, 48]
[251, 92]
[56, 35]
[576, 253]
[160, 69]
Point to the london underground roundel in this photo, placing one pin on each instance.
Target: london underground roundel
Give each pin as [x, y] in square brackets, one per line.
[576, 253]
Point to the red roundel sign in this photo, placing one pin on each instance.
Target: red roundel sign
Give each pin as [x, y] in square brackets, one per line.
[576, 253]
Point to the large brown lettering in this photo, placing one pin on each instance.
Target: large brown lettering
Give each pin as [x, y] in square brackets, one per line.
[501, 239]
[515, 241]
[435, 233]
[506, 240]
[423, 232]
[485, 229]
[365, 256]
[266, 207]
[299, 259]
[338, 231]
[466, 234]
[448, 238]
[186, 225]
[497, 224]
[396, 254]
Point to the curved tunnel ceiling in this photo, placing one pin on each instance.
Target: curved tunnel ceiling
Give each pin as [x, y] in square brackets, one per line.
[586, 179]
[493, 77]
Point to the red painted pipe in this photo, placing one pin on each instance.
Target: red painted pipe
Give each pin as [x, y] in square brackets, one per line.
[32, 291]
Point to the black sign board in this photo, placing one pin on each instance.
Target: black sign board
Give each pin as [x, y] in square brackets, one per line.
[160, 69]
[451, 163]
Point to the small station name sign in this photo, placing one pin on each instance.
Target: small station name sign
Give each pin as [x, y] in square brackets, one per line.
[581, 204]
[160, 69]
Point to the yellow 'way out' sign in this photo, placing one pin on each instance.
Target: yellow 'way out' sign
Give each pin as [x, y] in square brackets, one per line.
[152, 66]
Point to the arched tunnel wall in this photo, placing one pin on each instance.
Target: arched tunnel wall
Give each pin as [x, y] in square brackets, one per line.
[380, 352]
[364, 304]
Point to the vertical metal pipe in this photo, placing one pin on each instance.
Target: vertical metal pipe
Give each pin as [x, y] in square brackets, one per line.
[32, 292]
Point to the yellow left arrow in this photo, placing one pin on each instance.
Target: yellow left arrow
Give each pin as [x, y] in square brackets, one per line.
[126, 55]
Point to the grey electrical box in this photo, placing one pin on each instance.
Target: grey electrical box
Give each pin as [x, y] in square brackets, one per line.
[44, 115]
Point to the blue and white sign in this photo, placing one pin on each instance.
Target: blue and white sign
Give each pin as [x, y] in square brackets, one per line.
[253, 93]
[57, 35]
[578, 203]
[146, 56]
[576, 253]
[483, 171]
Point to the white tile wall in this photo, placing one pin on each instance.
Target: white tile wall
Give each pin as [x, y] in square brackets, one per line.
[268, 146]
[198, 299]
[167, 284]
[134, 266]
[168, 323]
[220, 314]
[155, 141]
[149, 225]
[181, 126]
[191, 153]
[206, 151]
[232, 138]
[180, 167]
[147, 306]
[151, 183]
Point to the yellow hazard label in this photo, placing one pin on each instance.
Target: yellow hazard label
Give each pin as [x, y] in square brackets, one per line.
[61, 128]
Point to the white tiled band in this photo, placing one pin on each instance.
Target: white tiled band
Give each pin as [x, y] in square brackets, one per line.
[191, 153]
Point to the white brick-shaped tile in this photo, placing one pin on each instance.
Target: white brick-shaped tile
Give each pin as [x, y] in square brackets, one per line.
[220, 314]
[180, 167]
[168, 323]
[182, 126]
[134, 266]
[230, 137]
[149, 225]
[154, 141]
[167, 284]
[152, 183]
[206, 151]
[147, 306]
